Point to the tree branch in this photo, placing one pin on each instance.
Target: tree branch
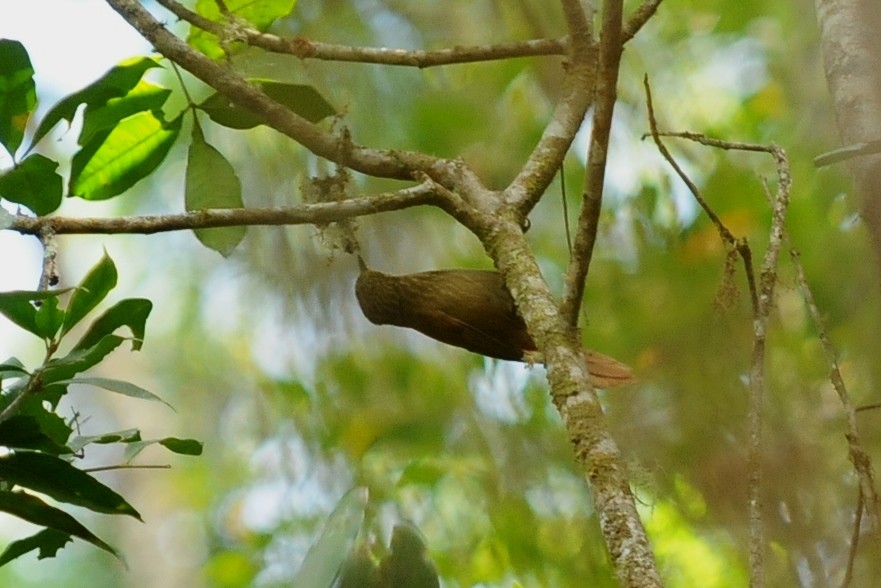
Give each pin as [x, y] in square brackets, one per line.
[588, 222]
[308, 49]
[578, 88]
[318, 213]
[375, 162]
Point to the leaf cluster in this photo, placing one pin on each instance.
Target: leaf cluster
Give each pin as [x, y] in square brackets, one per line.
[38, 447]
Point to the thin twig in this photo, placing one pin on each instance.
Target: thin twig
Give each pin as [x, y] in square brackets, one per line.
[307, 49]
[854, 540]
[317, 213]
[588, 221]
[862, 463]
[128, 466]
[638, 19]
[762, 296]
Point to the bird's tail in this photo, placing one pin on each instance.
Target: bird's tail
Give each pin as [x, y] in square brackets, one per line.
[607, 372]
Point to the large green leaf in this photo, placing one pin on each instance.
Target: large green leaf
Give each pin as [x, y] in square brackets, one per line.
[93, 288]
[115, 83]
[32, 509]
[173, 444]
[114, 161]
[131, 313]
[144, 97]
[61, 481]
[300, 99]
[258, 13]
[33, 183]
[212, 182]
[18, 94]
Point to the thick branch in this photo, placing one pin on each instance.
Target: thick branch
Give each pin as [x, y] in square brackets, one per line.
[852, 62]
[547, 157]
[578, 405]
[375, 162]
[308, 49]
[319, 213]
[588, 222]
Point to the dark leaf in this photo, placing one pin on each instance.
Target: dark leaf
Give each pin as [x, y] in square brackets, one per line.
[23, 432]
[32, 509]
[47, 541]
[61, 481]
[33, 183]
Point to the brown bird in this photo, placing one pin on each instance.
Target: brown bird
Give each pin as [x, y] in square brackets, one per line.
[466, 308]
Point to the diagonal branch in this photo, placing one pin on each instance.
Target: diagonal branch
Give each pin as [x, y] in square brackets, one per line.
[308, 49]
[544, 161]
[585, 236]
[375, 162]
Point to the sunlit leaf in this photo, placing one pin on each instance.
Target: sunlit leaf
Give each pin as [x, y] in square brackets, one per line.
[144, 97]
[259, 14]
[118, 81]
[33, 183]
[211, 182]
[17, 93]
[61, 481]
[123, 156]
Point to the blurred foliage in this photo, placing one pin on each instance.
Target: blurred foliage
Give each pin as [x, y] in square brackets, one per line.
[266, 356]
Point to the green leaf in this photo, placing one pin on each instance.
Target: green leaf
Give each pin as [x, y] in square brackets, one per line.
[23, 432]
[118, 386]
[300, 99]
[61, 481]
[131, 313]
[113, 162]
[93, 288]
[144, 97]
[173, 444]
[79, 360]
[116, 82]
[407, 564]
[18, 94]
[211, 182]
[17, 306]
[33, 183]
[258, 13]
[182, 446]
[47, 541]
[32, 509]
[326, 556]
[49, 318]
[55, 428]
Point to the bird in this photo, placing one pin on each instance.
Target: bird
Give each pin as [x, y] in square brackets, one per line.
[467, 308]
